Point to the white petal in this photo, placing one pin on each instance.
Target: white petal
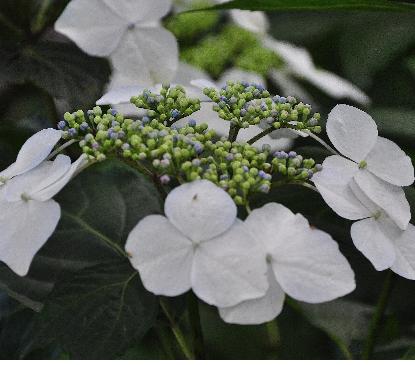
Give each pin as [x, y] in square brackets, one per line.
[260, 310]
[146, 54]
[390, 198]
[352, 131]
[162, 256]
[33, 152]
[254, 21]
[202, 83]
[306, 262]
[92, 25]
[54, 188]
[298, 59]
[35, 180]
[387, 161]
[120, 95]
[187, 73]
[139, 11]
[370, 239]
[200, 210]
[264, 222]
[25, 227]
[288, 86]
[335, 86]
[238, 75]
[230, 268]
[404, 264]
[333, 183]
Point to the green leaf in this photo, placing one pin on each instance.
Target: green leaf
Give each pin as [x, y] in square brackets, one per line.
[364, 54]
[61, 69]
[97, 313]
[284, 5]
[99, 209]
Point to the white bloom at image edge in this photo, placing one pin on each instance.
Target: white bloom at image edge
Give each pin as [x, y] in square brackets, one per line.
[303, 262]
[128, 31]
[199, 245]
[28, 215]
[367, 186]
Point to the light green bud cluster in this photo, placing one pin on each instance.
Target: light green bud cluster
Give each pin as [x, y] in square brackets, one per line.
[189, 26]
[167, 107]
[190, 152]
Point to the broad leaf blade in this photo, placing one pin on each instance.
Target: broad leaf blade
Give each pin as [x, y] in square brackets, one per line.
[100, 207]
[98, 313]
[284, 5]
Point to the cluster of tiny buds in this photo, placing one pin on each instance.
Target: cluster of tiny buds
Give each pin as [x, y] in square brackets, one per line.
[245, 104]
[167, 107]
[157, 147]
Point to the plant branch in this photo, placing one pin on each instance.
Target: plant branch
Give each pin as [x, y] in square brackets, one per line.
[178, 334]
[260, 135]
[196, 328]
[377, 318]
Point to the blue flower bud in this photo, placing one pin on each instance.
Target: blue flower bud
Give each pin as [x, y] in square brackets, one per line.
[192, 123]
[292, 154]
[84, 126]
[264, 188]
[165, 179]
[175, 113]
[125, 146]
[198, 148]
[72, 132]
[113, 112]
[61, 125]
[229, 157]
[319, 167]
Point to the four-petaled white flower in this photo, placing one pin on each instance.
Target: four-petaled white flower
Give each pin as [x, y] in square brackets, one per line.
[129, 32]
[303, 262]
[366, 186]
[199, 245]
[28, 215]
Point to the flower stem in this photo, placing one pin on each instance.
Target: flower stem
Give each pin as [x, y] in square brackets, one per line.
[260, 135]
[177, 332]
[61, 148]
[324, 144]
[273, 336]
[233, 133]
[196, 328]
[378, 317]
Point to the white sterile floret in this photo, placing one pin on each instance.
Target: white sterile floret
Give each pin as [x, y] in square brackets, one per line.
[302, 262]
[299, 63]
[28, 214]
[33, 152]
[199, 245]
[129, 31]
[378, 166]
[383, 233]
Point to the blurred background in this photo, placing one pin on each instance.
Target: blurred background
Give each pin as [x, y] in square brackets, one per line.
[43, 74]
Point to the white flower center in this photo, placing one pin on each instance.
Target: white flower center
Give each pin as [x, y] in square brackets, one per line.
[25, 197]
[362, 164]
[131, 26]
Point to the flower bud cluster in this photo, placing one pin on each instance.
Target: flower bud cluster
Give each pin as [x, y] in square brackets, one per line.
[190, 152]
[246, 104]
[167, 107]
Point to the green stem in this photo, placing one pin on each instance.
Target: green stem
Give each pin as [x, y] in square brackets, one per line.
[260, 135]
[324, 144]
[177, 332]
[196, 328]
[61, 148]
[273, 336]
[233, 133]
[377, 318]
